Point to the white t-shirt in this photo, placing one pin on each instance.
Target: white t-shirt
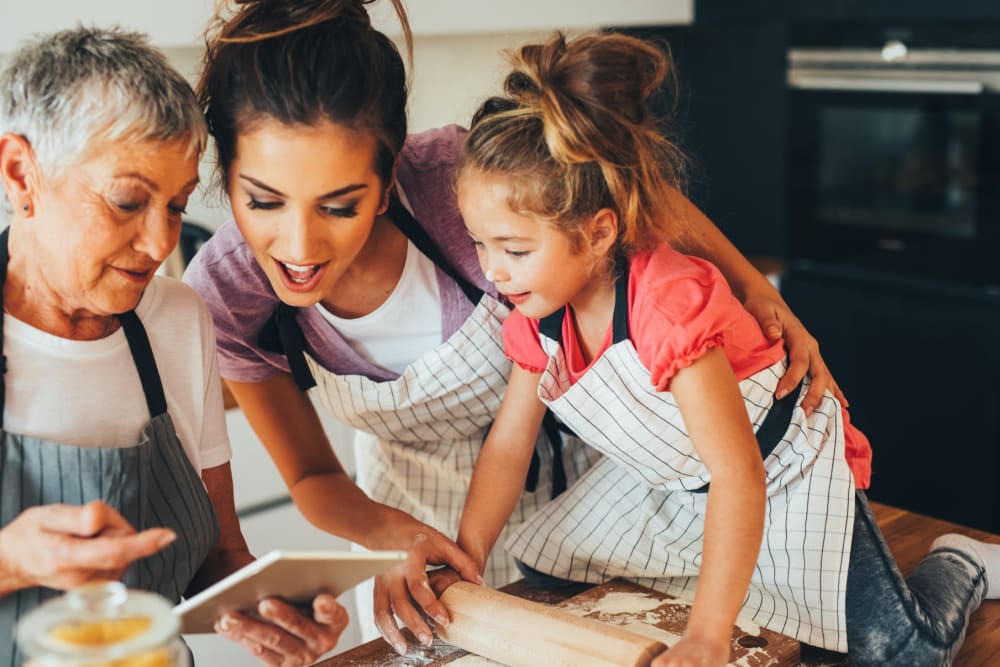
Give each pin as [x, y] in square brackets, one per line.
[88, 393]
[405, 326]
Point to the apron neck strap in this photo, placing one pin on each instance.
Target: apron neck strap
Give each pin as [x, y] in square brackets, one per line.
[412, 230]
[135, 334]
[550, 326]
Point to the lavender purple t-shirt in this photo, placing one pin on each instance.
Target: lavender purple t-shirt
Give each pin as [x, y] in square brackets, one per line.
[226, 274]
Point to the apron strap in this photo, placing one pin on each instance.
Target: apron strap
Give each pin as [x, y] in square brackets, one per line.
[412, 230]
[773, 428]
[550, 326]
[4, 259]
[142, 355]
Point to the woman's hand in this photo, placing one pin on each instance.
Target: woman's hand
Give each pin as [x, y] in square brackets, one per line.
[64, 546]
[777, 321]
[406, 589]
[285, 636]
[689, 652]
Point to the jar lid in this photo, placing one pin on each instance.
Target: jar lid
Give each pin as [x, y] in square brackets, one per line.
[104, 621]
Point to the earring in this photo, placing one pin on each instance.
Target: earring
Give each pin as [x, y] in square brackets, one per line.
[25, 207]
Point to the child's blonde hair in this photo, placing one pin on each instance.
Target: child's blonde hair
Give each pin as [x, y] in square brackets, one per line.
[574, 134]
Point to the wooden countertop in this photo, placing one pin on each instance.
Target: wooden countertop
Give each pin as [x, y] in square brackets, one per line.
[909, 535]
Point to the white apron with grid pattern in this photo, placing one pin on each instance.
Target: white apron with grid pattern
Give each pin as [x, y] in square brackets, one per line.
[633, 514]
[430, 424]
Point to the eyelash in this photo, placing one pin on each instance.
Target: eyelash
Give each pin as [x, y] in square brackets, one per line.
[347, 212]
[513, 253]
[132, 208]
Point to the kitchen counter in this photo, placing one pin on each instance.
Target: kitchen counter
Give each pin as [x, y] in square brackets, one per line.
[909, 535]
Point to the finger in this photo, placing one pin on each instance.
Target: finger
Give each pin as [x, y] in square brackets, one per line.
[262, 653]
[300, 626]
[111, 553]
[771, 326]
[420, 590]
[798, 364]
[268, 636]
[327, 611]
[408, 614]
[838, 394]
[384, 621]
[451, 554]
[98, 518]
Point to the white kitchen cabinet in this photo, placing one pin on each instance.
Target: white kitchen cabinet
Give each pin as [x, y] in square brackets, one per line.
[174, 23]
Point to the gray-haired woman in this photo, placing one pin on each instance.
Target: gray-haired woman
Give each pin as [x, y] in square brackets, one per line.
[114, 458]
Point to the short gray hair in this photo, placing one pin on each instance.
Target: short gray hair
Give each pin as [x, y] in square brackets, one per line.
[73, 90]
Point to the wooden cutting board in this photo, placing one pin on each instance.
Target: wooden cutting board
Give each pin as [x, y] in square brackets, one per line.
[639, 610]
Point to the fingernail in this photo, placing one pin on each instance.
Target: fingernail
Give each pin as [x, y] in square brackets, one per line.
[479, 580]
[167, 539]
[441, 619]
[400, 648]
[426, 639]
[780, 394]
[426, 584]
[227, 623]
[267, 607]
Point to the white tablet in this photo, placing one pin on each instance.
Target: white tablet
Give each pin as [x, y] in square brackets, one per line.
[294, 576]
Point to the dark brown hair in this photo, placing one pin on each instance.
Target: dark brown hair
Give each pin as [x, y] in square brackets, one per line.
[574, 134]
[300, 62]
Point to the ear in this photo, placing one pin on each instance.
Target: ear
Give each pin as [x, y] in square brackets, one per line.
[18, 170]
[389, 187]
[602, 232]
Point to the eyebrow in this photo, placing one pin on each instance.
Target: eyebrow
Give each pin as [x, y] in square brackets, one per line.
[153, 185]
[329, 195]
[503, 238]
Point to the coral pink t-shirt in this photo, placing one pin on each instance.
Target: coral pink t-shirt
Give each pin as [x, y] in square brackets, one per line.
[679, 308]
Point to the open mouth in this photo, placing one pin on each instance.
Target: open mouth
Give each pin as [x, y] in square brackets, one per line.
[300, 277]
[136, 275]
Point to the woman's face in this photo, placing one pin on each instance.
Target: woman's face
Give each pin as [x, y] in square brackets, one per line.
[305, 199]
[102, 228]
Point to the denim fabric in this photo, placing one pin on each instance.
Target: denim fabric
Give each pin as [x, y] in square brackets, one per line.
[916, 622]
[541, 581]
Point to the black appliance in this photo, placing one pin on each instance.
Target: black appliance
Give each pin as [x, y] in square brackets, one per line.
[894, 248]
[894, 148]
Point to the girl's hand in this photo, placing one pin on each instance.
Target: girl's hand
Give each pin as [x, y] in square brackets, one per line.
[689, 652]
[777, 321]
[406, 590]
[285, 636]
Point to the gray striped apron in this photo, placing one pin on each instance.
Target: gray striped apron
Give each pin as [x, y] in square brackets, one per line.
[429, 424]
[639, 513]
[152, 484]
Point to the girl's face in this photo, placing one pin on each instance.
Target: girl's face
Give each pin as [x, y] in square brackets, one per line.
[533, 263]
[305, 199]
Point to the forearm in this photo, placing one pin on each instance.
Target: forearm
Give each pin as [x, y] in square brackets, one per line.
[11, 580]
[496, 487]
[703, 239]
[734, 525]
[332, 502]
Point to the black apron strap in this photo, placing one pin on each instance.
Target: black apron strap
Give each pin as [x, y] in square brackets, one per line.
[773, 428]
[142, 355]
[412, 230]
[4, 259]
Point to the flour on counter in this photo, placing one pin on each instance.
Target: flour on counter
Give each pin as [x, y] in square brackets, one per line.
[474, 661]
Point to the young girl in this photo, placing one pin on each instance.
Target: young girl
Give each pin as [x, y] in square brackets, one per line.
[348, 266]
[645, 354]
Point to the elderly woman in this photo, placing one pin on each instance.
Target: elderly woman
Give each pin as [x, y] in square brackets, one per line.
[114, 458]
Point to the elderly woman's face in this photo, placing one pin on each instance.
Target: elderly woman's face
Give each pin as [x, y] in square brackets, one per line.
[111, 221]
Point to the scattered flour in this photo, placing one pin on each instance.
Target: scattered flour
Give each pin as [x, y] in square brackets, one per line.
[626, 603]
[474, 661]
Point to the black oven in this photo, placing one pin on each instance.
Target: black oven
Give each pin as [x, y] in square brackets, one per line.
[894, 151]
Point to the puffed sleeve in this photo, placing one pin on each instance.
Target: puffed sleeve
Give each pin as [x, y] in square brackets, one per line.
[522, 344]
[682, 308]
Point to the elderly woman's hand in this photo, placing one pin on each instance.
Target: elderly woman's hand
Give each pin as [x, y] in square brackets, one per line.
[64, 546]
[284, 635]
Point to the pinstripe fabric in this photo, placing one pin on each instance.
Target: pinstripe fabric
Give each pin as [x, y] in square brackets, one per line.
[150, 484]
[429, 424]
[632, 516]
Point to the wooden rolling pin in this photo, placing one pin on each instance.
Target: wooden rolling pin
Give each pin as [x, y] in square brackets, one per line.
[520, 633]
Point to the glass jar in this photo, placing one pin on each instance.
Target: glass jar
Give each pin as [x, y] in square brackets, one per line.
[103, 625]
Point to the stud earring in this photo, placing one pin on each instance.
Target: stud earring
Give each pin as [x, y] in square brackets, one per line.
[25, 207]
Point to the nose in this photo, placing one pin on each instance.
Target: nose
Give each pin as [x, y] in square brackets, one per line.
[298, 235]
[492, 268]
[158, 237]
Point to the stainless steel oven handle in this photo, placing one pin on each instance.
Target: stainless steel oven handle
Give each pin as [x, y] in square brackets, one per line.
[806, 81]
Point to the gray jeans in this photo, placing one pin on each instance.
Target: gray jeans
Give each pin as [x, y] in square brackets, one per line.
[919, 621]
